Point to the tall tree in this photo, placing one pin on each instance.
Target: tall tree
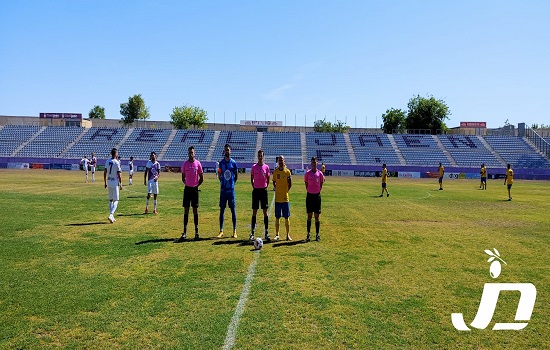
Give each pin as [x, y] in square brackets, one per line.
[427, 113]
[134, 109]
[394, 120]
[322, 125]
[97, 113]
[186, 116]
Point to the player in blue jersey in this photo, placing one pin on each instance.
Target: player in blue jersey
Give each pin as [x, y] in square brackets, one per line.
[227, 174]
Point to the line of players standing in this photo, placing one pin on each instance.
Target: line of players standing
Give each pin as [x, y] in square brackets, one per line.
[227, 173]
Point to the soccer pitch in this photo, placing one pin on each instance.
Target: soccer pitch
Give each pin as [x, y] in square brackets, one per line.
[388, 272]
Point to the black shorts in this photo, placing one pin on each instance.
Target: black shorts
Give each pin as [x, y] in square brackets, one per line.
[259, 198]
[191, 197]
[313, 203]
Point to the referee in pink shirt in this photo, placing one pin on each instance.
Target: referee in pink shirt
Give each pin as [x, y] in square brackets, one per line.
[259, 178]
[314, 180]
[192, 177]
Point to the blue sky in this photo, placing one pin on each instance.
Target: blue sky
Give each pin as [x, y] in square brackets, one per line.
[347, 60]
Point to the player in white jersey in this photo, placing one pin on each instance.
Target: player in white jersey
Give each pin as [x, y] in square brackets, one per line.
[113, 182]
[130, 170]
[152, 173]
[93, 163]
[85, 162]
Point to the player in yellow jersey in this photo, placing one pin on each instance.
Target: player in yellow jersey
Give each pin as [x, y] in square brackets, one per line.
[483, 175]
[441, 170]
[282, 182]
[384, 181]
[323, 168]
[509, 180]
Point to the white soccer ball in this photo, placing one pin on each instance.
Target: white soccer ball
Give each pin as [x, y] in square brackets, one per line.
[258, 243]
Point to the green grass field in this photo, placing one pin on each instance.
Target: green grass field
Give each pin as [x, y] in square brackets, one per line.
[387, 273]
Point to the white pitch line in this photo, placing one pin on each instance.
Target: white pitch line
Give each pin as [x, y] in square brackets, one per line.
[234, 324]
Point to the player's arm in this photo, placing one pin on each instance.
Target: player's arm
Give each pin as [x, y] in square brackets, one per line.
[201, 178]
[251, 178]
[119, 176]
[268, 176]
[236, 172]
[158, 172]
[145, 176]
[105, 177]
[183, 174]
[289, 180]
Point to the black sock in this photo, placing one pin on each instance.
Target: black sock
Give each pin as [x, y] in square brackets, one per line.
[253, 224]
[196, 220]
[308, 226]
[185, 221]
[266, 223]
[317, 224]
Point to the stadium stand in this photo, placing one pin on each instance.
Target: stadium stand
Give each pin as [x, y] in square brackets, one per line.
[13, 136]
[373, 149]
[327, 147]
[517, 152]
[420, 150]
[469, 150]
[243, 145]
[200, 139]
[98, 140]
[142, 142]
[285, 143]
[51, 142]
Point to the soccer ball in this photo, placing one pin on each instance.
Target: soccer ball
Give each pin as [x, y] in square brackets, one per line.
[258, 243]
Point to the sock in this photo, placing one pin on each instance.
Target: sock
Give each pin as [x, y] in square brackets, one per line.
[147, 203]
[110, 207]
[253, 224]
[130, 181]
[196, 221]
[185, 221]
[234, 218]
[155, 204]
[287, 226]
[115, 205]
[221, 218]
[317, 225]
[308, 226]
[277, 226]
[86, 178]
[266, 223]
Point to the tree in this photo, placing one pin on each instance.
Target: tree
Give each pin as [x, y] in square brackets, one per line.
[394, 120]
[185, 116]
[134, 109]
[427, 113]
[324, 126]
[97, 113]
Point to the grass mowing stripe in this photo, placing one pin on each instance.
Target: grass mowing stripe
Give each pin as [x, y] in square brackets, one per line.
[232, 328]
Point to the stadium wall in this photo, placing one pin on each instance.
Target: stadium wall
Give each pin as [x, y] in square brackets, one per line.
[336, 170]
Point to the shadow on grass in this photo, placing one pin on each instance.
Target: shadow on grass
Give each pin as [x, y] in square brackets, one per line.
[191, 238]
[87, 224]
[289, 243]
[134, 197]
[135, 214]
[228, 242]
[157, 240]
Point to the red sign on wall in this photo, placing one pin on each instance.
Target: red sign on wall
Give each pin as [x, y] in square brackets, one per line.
[473, 125]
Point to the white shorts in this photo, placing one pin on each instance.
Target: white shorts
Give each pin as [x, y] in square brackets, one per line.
[113, 193]
[93, 169]
[153, 187]
[131, 172]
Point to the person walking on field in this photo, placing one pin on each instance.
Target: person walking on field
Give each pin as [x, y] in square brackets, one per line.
[314, 180]
[384, 181]
[113, 182]
[152, 173]
[192, 177]
[509, 180]
[282, 182]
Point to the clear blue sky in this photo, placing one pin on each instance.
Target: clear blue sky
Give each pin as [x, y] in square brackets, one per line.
[488, 60]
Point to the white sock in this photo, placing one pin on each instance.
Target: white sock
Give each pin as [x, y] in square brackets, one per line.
[111, 207]
[115, 204]
[147, 203]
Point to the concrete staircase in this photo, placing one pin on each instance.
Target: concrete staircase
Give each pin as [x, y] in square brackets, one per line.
[168, 142]
[397, 150]
[488, 146]
[28, 141]
[445, 151]
[212, 147]
[70, 145]
[259, 141]
[303, 143]
[125, 138]
[351, 152]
